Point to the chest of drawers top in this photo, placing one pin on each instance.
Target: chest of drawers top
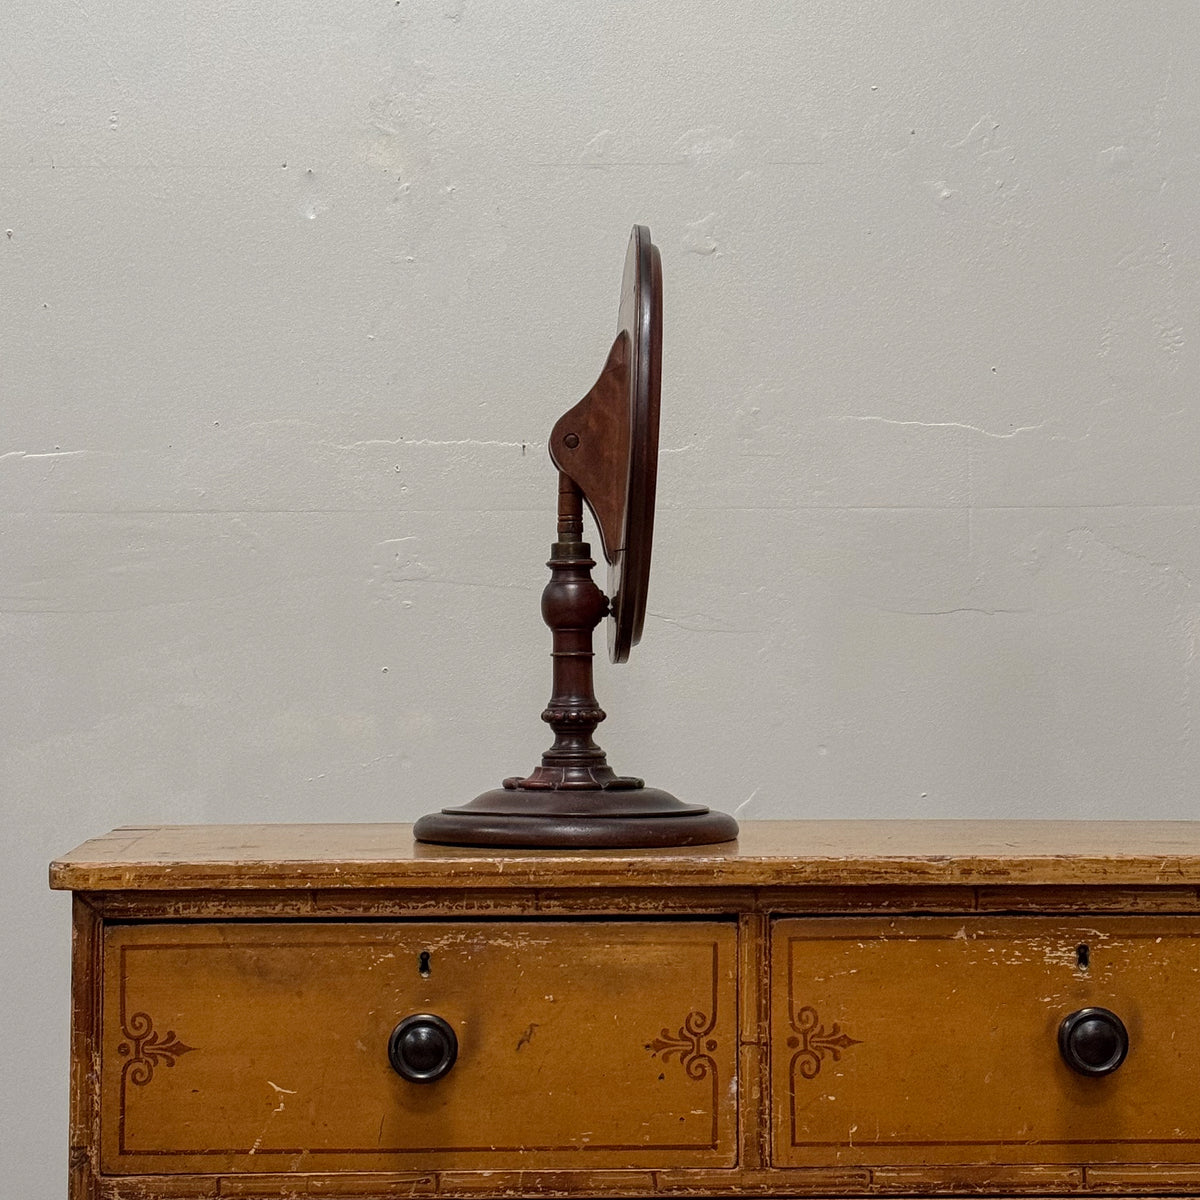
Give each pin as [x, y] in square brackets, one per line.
[840, 854]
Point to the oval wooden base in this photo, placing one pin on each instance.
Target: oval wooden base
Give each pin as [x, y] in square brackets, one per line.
[642, 817]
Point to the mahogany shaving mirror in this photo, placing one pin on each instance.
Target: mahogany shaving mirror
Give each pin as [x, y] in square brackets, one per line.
[606, 452]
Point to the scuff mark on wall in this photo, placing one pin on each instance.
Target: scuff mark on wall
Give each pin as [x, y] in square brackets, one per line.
[603, 149]
[699, 238]
[948, 425]
[704, 146]
[312, 201]
[32, 455]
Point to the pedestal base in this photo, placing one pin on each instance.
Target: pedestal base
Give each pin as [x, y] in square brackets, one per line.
[576, 819]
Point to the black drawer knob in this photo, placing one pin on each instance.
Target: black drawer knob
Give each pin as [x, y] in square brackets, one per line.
[422, 1048]
[1093, 1041]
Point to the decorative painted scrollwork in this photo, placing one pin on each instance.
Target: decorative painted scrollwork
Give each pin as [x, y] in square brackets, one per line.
[691, 1043]
[815, 1042]
[147, 1050]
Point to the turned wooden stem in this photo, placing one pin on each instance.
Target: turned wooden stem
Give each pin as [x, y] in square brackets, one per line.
[572, 606]
[570, 514]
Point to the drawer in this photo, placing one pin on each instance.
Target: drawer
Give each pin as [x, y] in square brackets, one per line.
[936, 1041]
[264, 1046]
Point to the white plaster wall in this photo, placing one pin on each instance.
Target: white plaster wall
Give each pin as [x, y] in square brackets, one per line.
[291, 293]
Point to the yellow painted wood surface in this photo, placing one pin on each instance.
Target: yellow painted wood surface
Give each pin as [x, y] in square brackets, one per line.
[934, 1040]
[262, 1047]
[269, 963]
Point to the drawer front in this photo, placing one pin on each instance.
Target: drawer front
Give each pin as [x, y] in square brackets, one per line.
[936, 1041]
[264, 1046]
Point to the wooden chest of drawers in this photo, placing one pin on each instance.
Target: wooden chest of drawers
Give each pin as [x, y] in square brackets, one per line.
[824, 1008]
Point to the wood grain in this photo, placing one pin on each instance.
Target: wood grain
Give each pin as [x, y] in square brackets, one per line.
[86, 980]
[844, 853]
